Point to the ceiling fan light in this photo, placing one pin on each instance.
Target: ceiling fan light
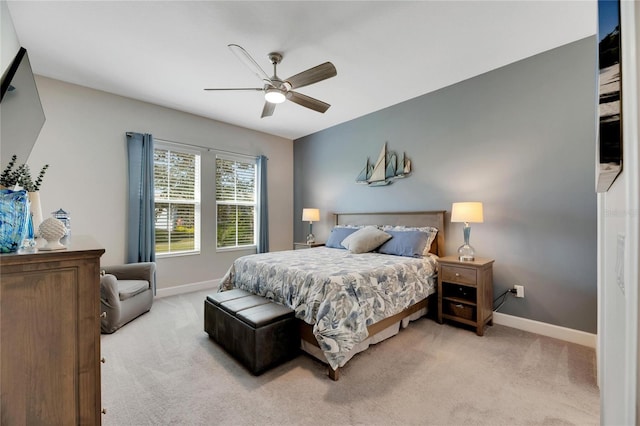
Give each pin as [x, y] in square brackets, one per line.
[275, 96]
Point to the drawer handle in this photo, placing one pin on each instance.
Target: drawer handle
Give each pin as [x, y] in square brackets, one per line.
[103, 360]
[457, 274]
[103, 315]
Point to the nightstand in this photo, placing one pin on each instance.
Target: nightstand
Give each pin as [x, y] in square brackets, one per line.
[465, 291]
[300, 246]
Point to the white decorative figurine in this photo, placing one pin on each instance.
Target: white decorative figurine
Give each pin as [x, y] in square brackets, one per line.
[52, 230]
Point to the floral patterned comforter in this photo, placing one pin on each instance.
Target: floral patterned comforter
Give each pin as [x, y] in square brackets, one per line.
[338, 292]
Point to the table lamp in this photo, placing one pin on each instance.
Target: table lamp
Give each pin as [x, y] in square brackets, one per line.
[467, 212]
[311, 215]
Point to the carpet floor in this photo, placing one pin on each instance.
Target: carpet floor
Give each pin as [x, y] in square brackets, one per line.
[162, 369]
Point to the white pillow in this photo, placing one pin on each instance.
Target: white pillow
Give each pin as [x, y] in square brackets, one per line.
[365, 240]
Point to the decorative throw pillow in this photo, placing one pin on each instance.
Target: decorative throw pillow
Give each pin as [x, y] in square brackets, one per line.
[338, 234]
[365, 240]
[405, 243]
[430, 230]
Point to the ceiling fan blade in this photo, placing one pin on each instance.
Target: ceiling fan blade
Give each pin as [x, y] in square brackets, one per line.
[312, 75]
[307, 101]
[241, 88]
[268, 109]
[244, 56]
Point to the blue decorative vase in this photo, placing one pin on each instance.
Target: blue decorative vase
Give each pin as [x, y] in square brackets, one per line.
[14, 219]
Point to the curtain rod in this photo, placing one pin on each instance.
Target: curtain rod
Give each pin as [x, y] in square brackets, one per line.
[207, 148]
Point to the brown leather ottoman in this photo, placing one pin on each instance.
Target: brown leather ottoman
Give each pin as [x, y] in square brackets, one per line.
[256, 331]
[213, 318]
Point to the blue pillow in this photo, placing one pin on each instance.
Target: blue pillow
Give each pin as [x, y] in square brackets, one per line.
[405, 243]
[337, 235]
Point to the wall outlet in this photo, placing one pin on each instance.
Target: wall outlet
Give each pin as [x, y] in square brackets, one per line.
[519, 290]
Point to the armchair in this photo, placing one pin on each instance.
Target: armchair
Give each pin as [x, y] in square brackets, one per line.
[126, 292]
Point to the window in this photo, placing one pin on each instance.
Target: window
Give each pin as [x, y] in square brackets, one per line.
[176, 176]
[235, 202]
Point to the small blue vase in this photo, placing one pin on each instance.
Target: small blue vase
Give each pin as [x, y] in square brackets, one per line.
[14, 219]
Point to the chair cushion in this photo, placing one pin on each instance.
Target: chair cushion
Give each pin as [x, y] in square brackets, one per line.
[130, 288]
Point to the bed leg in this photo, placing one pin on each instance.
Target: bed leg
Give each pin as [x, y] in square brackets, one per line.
[334, 374]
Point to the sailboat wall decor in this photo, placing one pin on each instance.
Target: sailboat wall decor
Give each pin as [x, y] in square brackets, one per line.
[386, 169]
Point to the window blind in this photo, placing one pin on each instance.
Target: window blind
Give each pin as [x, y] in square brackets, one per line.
[236, 202]
[177, 201]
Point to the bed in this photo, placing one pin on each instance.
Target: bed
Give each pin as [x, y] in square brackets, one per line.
[346, 301]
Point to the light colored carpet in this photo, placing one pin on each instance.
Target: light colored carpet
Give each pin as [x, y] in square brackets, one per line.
[163, 369]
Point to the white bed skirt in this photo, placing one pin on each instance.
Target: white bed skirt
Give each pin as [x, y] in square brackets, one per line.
[388, 332]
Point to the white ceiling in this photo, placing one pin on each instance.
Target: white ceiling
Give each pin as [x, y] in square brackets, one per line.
[166, 52]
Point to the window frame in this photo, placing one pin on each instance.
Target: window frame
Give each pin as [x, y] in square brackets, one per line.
[197, 202]
[254, 204]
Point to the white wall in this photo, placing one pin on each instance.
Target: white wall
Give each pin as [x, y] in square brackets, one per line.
[619, 215]
[83, 140]
[9, 44]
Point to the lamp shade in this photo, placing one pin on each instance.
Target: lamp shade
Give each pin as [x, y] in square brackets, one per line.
[470, 212]
[311, 215]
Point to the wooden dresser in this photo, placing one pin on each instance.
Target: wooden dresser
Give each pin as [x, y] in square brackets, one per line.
[50, 336]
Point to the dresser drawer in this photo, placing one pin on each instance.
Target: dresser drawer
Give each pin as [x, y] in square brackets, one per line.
[456, 274]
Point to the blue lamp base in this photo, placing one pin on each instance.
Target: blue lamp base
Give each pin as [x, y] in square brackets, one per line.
[466, 253]
[311, 238]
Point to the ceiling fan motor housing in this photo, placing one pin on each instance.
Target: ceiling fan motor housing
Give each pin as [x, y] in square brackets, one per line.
[275, 58]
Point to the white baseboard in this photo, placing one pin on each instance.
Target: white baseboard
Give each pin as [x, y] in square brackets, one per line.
[567, 334]
[188, 288]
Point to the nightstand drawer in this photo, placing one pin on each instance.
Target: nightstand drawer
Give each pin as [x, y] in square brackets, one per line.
[456, 274]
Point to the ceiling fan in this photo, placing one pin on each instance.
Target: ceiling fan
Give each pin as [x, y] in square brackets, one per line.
[277, 90]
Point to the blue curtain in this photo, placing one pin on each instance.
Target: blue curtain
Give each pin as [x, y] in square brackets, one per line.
[263, 211]
[141, 230]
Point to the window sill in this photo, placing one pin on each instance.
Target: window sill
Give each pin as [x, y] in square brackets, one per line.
[237, 248]
[177, 254]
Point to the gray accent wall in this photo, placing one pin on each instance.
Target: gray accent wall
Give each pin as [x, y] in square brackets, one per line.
[520, 139]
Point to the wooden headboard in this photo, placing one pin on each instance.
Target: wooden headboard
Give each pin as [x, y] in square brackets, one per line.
[429, 218]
